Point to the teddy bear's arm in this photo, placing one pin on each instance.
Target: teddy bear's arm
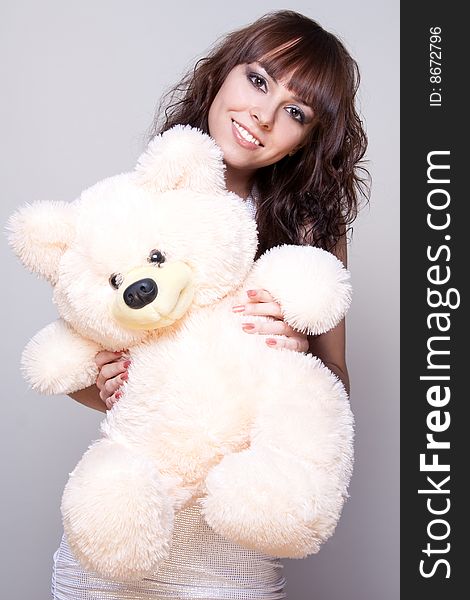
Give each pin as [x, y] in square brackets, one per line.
[57, 360]
[311, 285]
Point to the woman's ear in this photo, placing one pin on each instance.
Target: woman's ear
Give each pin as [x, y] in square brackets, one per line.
[40, 233]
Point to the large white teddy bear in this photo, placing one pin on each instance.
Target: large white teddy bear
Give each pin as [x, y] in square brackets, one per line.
[153, 261]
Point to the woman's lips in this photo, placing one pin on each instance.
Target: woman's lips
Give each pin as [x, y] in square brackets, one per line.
[242, 141]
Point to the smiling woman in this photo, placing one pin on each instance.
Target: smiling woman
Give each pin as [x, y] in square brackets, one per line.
[278, 97]
[252, 111]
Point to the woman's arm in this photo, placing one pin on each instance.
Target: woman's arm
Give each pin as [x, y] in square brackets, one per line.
[330, 349]
[90, 397]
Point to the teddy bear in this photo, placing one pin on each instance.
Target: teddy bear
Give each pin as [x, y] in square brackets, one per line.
[153, 261]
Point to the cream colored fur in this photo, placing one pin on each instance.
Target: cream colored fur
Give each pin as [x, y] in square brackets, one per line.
[261, 438]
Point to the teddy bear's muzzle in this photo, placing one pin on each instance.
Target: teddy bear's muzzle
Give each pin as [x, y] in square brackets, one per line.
[154, 297]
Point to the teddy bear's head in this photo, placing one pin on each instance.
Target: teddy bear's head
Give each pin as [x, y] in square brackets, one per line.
[136, 251]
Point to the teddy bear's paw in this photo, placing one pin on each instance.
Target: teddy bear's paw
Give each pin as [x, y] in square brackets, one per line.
[57, 360]
[274, 504]
[117, 516]
[311, 285]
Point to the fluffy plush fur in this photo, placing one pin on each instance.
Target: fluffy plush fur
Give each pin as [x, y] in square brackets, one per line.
[153, 261]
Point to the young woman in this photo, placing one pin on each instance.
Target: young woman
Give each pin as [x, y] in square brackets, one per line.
[278, 97]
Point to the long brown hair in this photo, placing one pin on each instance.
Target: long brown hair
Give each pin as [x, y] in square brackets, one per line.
[312, 196]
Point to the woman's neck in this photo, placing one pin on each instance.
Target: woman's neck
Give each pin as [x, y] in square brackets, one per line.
[239, 182]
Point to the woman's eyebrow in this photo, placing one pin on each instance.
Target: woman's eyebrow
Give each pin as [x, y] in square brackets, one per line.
[295, 98]
[266, 70]
[302, 101]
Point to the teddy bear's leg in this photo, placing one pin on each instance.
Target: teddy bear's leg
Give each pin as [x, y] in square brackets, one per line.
[284, 494]
[117, 515]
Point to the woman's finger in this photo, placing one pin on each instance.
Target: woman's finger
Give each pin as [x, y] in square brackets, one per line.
[263, 309]
[271, 327]
[106, 356]
[111, 400]
[111, 386]
[259, 296]
[298, 343]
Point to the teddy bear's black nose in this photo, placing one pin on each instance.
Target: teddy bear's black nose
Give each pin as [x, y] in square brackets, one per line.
[140, 293]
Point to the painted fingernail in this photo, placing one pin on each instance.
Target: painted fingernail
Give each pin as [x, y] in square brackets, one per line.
[239, 308]
[271, 342]
[124, 376]
[118, 395]
[251, 293]
[248, 326]
[127, 364]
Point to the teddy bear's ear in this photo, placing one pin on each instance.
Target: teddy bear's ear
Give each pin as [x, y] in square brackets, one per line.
[39, 234]
[182, 157]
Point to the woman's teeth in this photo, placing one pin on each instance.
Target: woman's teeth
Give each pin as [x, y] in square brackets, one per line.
[245, 134]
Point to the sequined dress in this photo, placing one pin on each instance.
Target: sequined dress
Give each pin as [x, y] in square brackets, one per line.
[202, 565]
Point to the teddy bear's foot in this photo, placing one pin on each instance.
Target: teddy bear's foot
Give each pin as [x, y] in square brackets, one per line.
[117, 516]
[272, 503]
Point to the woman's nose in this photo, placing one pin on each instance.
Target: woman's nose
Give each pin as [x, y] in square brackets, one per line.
[264, 117]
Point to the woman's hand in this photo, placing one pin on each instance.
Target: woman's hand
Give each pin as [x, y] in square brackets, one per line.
[113, 373]
[261, 303]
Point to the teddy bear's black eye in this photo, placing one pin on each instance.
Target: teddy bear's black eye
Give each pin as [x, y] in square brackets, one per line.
[156, 256]
[115, 280]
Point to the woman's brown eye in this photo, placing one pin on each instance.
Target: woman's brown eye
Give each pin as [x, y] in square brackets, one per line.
[115, 280]
[157, 257]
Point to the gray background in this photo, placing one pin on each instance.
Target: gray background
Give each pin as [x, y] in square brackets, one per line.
[80, 81]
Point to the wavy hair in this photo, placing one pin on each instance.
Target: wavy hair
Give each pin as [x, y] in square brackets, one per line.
[311, 197]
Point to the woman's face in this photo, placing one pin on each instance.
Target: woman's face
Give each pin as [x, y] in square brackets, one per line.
[256, 120]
